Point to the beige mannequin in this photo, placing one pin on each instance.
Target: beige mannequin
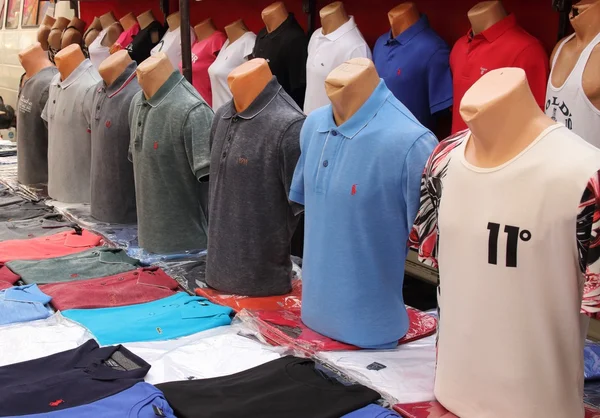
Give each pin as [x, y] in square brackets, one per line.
[68, 59]
[403, 17]
[204, 29]
[174, 21]
[74, 33]
[235, 30]
[112, 67]
[92, 32]
[145, 19]
[486, 14]
[332, 17]
[44, 31]
[274, 15]
[128, 21]
[586, 22]
[153, 73]
[247, 81]
[55, 36]
[113, 28]
[349, 86]
[503, 116]
[34, 59]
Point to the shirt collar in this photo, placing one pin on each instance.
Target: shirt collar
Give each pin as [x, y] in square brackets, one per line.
[406, 36]
[287, 23]
[341, 31]
[496, 30]
[360, 119]
[28, 293]
[258, 105]
[174, 79]
[81, 69]
[95, 361]
[122, 81]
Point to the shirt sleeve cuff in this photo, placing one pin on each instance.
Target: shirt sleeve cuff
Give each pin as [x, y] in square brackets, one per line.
[297, 197]
[441, 106]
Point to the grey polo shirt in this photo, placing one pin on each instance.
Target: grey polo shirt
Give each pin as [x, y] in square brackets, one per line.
[32, 131]
[69, 139]
[253, 157]
[112, 185]
[50, 224]
[170, 154]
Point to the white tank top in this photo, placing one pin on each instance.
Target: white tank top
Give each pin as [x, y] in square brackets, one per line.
[98, 52]
[568, 104]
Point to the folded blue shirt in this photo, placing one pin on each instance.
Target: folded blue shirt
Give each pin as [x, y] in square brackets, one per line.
[22, 304]
[163, 319]
[591, 356]
[372, 411]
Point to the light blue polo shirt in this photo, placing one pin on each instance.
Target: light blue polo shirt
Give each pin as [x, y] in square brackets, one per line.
[23, 304]
[359, 184]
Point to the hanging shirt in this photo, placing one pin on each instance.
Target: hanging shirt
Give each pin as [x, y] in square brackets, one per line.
[125, 38]
[415, 67]
[170, 44]
[373, 160]
[204, 53]
[327, 52]
[23, 304]
[146, 39]
[232, 55]
[528, 232]
[569, 104]
[98, 52]
[505, 44]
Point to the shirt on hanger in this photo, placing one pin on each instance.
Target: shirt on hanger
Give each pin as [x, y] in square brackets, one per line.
[327, 52]
[232, 55]
[204, 53]
[41, 226]
[98, 52]
[146, 39]
[125, 38]
[415, 67]
[23, 304]
[170, 44]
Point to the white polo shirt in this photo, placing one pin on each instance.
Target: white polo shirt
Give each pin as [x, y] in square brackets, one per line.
[518, 257]
[325, 53]
[231, 56]
[170, 44]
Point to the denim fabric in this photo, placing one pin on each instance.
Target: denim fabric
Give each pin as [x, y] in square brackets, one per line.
[23, 304]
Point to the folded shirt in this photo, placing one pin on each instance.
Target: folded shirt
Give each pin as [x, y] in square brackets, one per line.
[42, 226]
[23, 304]
[372, 411]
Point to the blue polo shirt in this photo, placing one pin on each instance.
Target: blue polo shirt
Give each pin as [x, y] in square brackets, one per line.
[415, 67]
[22, 304]
[359, 184]
[372, 411]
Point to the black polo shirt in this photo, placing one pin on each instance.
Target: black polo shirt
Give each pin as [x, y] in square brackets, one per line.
[145, 40]
[286, 49]
[71, 378]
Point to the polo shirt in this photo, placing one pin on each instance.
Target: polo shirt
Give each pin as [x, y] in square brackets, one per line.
[415, 67]
[68, 379]
[41, 226]
[171, 154]
[22, 304]
[32, 131]
[232, 55]
[112, 184]
[285, 49]
[170, 44]
[129, 288]
[204, 53]
[69, 139]
[373, 160]
[99, 262]
[57, 245]
[125, 38]
[98, 52]
[23, 210]
[163, 319]
[504, 44]
[327, 52]
[146, 39]
[372, 411]
[252, 223]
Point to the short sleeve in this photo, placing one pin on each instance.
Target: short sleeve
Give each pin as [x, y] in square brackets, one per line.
[248, 47]
[44, 97]
[88, 104]
[297, 186]
[289, 153]
[361, 51]
[588, 246]
[439, 80]
[130, 121]
[45, 113]
[534, 61]
[196, 136]
[296, 65]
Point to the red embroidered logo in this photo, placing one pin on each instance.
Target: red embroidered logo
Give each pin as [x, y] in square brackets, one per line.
[155, 144]
[74, 275]
[108, 124]
[353, 192]
[399, 71]
[56, 403]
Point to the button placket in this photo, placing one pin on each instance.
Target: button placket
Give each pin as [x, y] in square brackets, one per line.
[330, 148]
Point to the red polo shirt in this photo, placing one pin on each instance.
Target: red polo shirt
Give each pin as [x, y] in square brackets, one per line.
[130, 288]
[505, 44]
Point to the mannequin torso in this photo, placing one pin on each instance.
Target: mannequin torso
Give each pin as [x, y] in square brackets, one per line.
[235, 30]
[403, 17]
[153, 73]
[174, 21]
[145, 19]
[204, 29]
[247, 81]
[55, 36]
[68, 59]
[128, 21]
[34, 59]
[274, 15]
[332, 17]
[349, 86]
[113, 29]
[113, 66]
[93, 32]
[486, 14]
[44, 31]
[74, 33]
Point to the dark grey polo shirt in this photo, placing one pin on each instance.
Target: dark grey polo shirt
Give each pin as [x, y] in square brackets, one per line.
[112, 185]
[253, 157]
[170, 154]
[32, 131]
[50, 224]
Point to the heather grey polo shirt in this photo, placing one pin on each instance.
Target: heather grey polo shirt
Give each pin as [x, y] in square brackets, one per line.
[50, 224]
[32, 132]
[170, 154]
[253, 157]
[69, 139]
[112, 185]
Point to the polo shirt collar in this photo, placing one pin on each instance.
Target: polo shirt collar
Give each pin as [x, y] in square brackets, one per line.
[28, 293]
[288, 23]
[174, 79]
[122, 81]
[97, 365]
[85, 65]
[496, 30]
[341, 31]
[258, 105]
[360, 119]
[406, 36]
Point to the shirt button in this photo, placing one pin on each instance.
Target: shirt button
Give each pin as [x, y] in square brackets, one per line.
[224, 154]
[325, 163]
[235, 119]
[334, 133]
[139, 123]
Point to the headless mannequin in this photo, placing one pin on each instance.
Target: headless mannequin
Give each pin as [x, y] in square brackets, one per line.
[235, 30]
[349, 86]
[274, 15]
[204, 29]
[54, 39]
[68, 59]
[153, 73]
[585, 19]
[174, 21]
[44, 31]
[486, 14]
[403, 17]
[74, 33]
[332, 17]
[112, 67]
[34, 59]
[113, 28]
[145, 19]
[247, 81]
[92, 32]
[127, 21]
[501, 95]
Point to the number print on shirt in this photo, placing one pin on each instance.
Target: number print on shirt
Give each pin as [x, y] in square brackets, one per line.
[513, 234]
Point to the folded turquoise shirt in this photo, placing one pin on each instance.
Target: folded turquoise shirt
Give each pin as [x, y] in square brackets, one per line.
[163, 319]
[22, 304]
